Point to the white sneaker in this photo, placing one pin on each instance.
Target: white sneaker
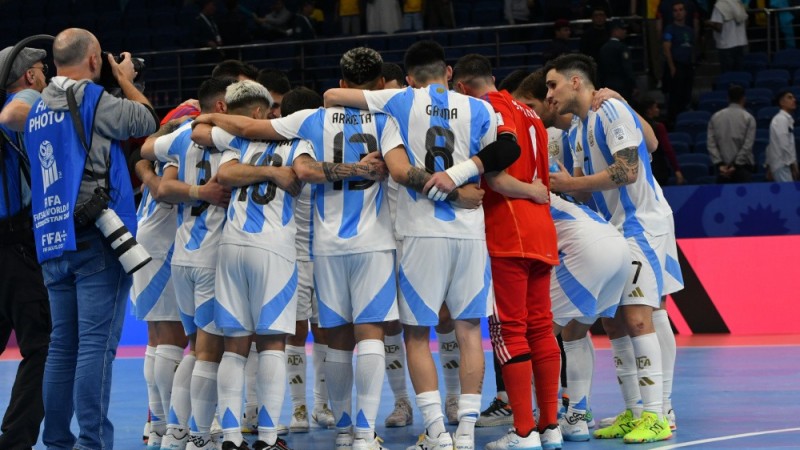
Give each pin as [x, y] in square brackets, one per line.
[589, 418]
[154, 441]
[200, 443]
[250, 422]
[146, 432]
[401, 416]
[299, 423]
[283, 430]
[344, 441]
[670, 415]
[443, 442]
[514, 441]
[574, 428]
[606, 422]
[216, 431]
[175, 439]
[451, 409]
[323, 416]
[374, 444]
[464, 442]
[551, 439]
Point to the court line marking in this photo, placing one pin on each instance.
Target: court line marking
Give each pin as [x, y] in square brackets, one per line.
[725, 438]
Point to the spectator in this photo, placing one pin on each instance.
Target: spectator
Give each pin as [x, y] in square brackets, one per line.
[614, 62]
[781, 152]
[729, 22]
[205, 33]
[88, 286]
[518, 12]
[304, 24]
[596, 34]
[24, 308]
[383, 15]
[348, 13]
[412, 15]
[560, 43]
[234, 25]
[731, 133]
[678, 42]
[590, 6]
[664, 15]
[785, 21]
[663, 161]
[439, 14]
[275, 24]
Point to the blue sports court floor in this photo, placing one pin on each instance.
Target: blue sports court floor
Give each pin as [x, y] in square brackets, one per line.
[743, 394]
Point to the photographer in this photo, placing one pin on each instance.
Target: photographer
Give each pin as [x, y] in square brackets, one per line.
[79, 180]
[23, 299]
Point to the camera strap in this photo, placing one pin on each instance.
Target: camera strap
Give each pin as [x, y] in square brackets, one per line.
[77, 123]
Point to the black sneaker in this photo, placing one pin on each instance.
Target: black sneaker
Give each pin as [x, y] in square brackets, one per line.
[228, 445]
[279, 444]
[497, 414]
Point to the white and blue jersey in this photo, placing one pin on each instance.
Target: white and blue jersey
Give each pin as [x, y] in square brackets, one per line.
[350, 216]
[558, 148]
[157, 221]
[439, 128]
[633, 208]
[199, 223]
[260, 215]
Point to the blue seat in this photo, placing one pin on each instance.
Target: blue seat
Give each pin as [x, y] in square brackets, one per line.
[701, 146]
[756, 102]
[708, 179]
[693, 171]
[772, 73]
[677, 136]
[691, 116]
[680, 148]
[694, 158]
[713, 101]
[692, 127]
[788, 59]
[773, 84]
[724, 80]
[764, 116]
[753, 62]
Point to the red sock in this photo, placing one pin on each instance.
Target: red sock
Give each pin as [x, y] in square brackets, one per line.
[517, 378]
[546, 363]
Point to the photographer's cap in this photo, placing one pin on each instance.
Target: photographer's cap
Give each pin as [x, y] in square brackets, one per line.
[26, 58]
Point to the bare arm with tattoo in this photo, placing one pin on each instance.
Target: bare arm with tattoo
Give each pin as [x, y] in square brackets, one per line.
[623, 171]
[467, 196]
[370, 167]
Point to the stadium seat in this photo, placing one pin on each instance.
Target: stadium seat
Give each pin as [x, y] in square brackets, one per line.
[772, 73]
[680, 147]
[753, 62]
[773, 84]
[693, 171]
[677, 136]
[687, 116]
[764, 116]
[694, 158]
[692, 127]
[712, 101]
[708, 179]
[755, 102]
[724, 80]
[788, 59]
[701, 146]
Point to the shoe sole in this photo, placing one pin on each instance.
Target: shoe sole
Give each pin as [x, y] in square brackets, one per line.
[646, 441]
[576, 437]
[398, 424]
[299, 429]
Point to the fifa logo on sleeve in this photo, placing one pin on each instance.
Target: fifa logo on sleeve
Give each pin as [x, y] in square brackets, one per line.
[50, 173]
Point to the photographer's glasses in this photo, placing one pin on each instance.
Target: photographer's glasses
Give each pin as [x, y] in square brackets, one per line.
[43, 68]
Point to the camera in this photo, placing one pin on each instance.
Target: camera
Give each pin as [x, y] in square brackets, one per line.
[130, 253]
[110, 83]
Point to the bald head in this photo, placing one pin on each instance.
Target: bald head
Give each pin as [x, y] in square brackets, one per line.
[73, 46]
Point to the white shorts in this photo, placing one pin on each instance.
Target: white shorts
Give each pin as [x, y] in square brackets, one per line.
[443, 270]
[152, 293]
[648, 259]
[307, 308]
[673, 277]
[590, 278]
[256, 292]
[357, 288]
[194, 292]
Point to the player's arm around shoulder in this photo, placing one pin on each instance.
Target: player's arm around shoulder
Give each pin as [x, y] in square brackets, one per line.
[241, 126]
[172, 190]
[148, 150]
[371, 167]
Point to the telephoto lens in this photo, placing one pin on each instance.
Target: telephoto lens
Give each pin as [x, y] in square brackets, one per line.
[130, 253]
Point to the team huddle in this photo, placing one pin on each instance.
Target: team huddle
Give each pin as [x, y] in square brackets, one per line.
[382, 209]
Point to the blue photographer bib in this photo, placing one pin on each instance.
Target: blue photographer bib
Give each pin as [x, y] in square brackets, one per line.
[58, 160]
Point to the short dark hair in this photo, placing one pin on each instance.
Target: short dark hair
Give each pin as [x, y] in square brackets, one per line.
[533, 86]
[735, 93]
[392, 71]
[233, 68]
[361, 66]
[274, 80]
[210, 90]
[472, 66]
[782, 93]
[574, 62]
[512, 81]
[425, 60]
[298, 99]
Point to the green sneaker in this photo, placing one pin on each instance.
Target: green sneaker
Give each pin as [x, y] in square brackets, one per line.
[649, 429]
[623, 424]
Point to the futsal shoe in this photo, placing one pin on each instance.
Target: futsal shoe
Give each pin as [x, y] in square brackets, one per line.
[649, 429]
[623, 424]
[670, 415]
[175, 439]
[401, 416]
[279, 444]
[497, 414]
[516, 442]
[200, 443]
[299, 423]
[552, 438]
[574, 431]
[344, 441]
[442, 442]
[366, 444]
[323, 416]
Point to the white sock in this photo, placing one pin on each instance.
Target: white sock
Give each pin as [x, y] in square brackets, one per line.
[449, 355]
[591, 378]
[666, 339]
[180, 402]
[339, 377]
[469, 408]
[370, 370]
[167, 359]
[430, 405]
[158, 422]
[251, 397]
[204, 396]
[651, 383]
[625, 365]
[318, 353]
[296, 374]
[396, 365]
[579, 375]
[230, 388]
[271, 391]
[503, 395]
